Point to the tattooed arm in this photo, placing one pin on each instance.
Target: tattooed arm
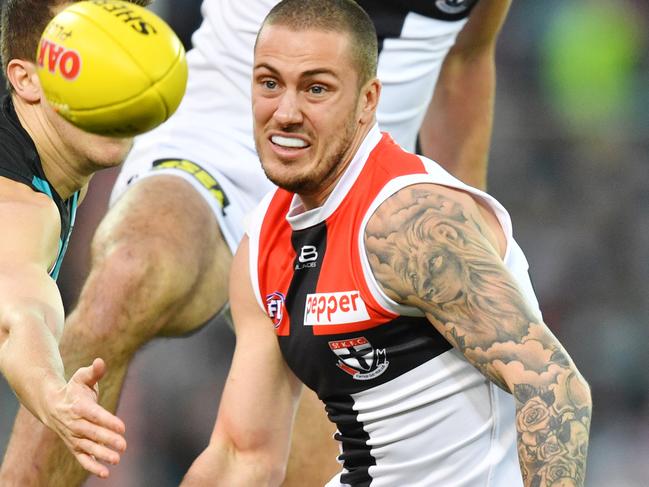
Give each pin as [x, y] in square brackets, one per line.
[438, 250]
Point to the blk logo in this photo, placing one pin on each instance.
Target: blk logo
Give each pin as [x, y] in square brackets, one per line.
[57, 58]
[307, 258]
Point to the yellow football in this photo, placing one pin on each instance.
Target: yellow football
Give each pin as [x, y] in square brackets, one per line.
[111, 67]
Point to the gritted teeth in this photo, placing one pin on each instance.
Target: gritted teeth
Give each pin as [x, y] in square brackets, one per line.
[288, 141]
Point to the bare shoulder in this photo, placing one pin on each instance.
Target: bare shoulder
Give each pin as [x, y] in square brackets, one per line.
[431, 247]
[16, 193]
[30, 224]
[411, 202]
[423, 230]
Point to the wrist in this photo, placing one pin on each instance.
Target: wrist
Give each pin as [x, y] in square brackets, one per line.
[51, 387]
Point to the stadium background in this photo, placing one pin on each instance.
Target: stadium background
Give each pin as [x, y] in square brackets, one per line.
[569, 159]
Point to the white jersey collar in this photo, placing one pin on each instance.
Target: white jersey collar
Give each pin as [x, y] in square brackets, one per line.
[300, 219]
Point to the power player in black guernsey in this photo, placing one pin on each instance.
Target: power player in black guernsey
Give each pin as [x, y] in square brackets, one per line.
[393, 290]
[45, 166]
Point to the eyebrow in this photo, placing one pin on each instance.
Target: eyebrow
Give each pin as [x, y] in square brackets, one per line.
[305, 74]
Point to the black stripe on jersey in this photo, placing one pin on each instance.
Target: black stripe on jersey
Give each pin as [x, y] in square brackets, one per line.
[388, 18]
[356, 453]
[439, 9]
[404, 343]
[390, 15]
[310, 245]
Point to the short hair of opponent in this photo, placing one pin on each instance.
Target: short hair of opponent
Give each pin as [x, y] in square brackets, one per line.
[21, 24]
[343, 16]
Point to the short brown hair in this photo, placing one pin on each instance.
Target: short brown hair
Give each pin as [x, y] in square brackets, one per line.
[21, 24]
[344, 16]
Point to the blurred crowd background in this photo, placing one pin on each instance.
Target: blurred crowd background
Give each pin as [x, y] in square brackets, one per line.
[570, 161]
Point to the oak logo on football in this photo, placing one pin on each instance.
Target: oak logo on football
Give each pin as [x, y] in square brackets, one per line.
[58, 58]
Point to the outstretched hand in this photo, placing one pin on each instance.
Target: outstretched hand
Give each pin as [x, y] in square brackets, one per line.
[92, 434]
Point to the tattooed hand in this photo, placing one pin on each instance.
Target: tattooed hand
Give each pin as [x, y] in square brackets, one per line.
[434, 248]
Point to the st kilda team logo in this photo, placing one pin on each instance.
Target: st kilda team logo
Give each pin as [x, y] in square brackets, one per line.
[452, 7]
[359, 358]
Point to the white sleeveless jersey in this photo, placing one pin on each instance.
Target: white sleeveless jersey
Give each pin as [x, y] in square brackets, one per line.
[410, 410]
[212, 128]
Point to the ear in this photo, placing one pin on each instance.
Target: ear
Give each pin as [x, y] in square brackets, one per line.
[369, 100]
[24, 80]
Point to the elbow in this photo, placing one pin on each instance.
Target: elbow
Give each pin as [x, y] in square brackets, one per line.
[224, 465]
[265, 468]
[277, 473]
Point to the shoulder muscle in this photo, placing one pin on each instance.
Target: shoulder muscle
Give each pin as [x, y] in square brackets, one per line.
[30, 225]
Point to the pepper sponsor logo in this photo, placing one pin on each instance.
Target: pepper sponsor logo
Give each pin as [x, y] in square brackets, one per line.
[359, 358]
[334, 308]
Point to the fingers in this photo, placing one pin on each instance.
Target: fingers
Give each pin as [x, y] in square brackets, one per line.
[93, 446]
[90, 375]
[98, 368]
[84, 430]
[98, 416]
[92, 465]
[98, 452]
[93, 434]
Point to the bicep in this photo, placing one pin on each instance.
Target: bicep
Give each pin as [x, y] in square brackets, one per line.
[442, 258]
[27, 248]
[30, 225]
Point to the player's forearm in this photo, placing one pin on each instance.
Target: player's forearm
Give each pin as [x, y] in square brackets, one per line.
[30, 359]
[456, 131]
[553, 421]
[220, 465]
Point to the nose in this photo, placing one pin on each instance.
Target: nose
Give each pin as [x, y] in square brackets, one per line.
[288, 109]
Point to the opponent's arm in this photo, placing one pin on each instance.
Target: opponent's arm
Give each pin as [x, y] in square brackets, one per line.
[31, 322]
[433, 248]
[249, 444]
[456, 131]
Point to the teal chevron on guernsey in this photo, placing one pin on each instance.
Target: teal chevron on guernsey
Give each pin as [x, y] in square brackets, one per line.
[44, 187]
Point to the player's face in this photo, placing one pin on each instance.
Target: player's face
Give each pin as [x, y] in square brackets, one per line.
[90, 152]
[309, 112]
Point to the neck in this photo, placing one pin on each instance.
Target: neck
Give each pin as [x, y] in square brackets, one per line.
[318, 197]
[61, 166]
